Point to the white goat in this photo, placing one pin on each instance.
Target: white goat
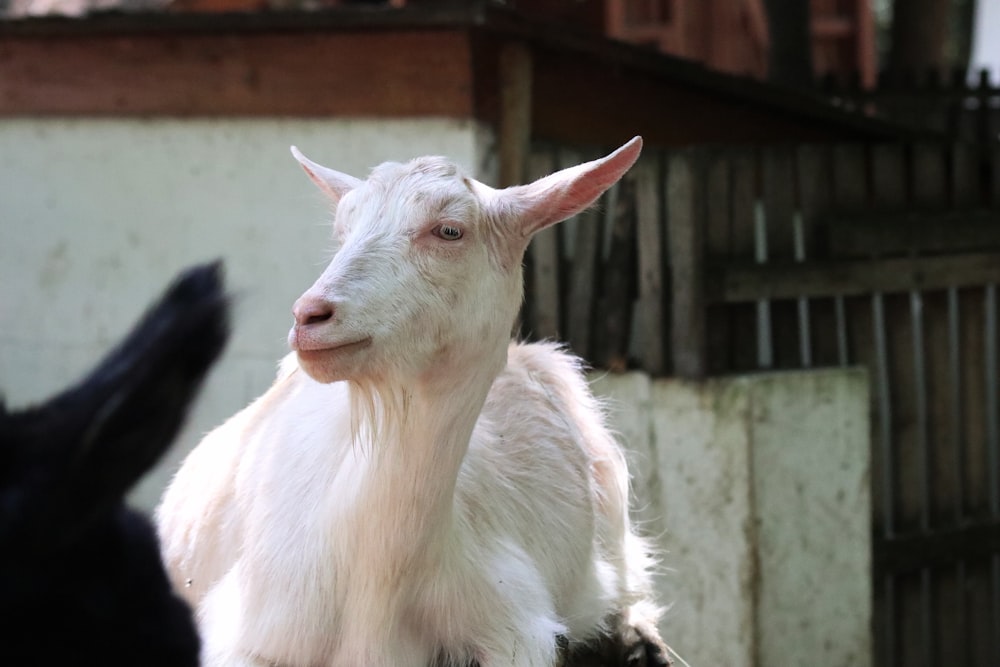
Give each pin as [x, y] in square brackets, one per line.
[412, 491]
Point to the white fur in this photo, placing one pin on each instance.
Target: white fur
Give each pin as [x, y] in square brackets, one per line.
[431, 494]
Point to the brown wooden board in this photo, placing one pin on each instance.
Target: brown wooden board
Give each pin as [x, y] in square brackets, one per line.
[974, 408]
[545, 268]
[930, 182]
[778, 198]
[651, 335]
[966, 177]
[581, 285]
[718, 247]
[749, 282]
[850, 177]
[949, 607]
[889, 177]
[981, 637]
[743, 316]
[916, 232]
[617, 290]
[685, 230]
[375, 74]
[812, 184]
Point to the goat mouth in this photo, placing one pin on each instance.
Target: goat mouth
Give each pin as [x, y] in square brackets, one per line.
[338, 348]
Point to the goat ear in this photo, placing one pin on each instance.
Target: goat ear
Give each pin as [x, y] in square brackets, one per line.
[334, 183]
[565, 193]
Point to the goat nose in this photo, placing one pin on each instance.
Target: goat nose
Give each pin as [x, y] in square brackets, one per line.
[312, 311]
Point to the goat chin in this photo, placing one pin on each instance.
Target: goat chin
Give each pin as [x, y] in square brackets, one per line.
[436, 494]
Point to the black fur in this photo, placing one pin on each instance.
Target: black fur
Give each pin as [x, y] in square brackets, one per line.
[81, 581]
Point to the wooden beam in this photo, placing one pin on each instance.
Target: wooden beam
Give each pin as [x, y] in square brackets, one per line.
[915, 233]
[748, 283]
[379, 73]
[912, 553]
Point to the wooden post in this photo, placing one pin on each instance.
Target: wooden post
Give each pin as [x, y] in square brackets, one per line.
[515, 74]
[686, 252]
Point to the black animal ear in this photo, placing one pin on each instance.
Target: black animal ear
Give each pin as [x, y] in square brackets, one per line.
[85, 448]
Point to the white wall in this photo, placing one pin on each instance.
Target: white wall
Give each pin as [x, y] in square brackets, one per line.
[96, 216]
[756, 489]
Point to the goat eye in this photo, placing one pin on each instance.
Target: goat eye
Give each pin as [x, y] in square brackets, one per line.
[447, 232]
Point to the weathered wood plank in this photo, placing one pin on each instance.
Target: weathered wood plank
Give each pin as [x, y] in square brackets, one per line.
[828, 335]
[718, 247]
[743, 316]
[383, 74]
[741, 283]
[778, 201]
[888, 177]
[685, 231]
[908, 553]
[615, 317]
[850, 177]
[544, 251]
[583, 278]
[930, 176]
[915, 232]
[650, 320]
[966, 182]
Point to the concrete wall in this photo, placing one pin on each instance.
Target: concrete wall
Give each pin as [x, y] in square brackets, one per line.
[756, 490]
[97, 215]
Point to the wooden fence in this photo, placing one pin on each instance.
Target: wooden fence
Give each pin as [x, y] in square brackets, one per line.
[717, 261]
[959, 106]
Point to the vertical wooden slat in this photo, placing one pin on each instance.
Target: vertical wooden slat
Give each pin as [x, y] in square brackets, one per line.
[718, 250]
[544, 251]
[583, 279]
[966, 185]
[742, 317]
[686, 251]
[828, 326]
[888, 176]
[650, 332]
[850, 181]
[614, 318]
[514, 75]
[995, 172]
[778, 198]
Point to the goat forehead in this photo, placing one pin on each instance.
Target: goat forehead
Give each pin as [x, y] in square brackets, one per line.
[402, 198]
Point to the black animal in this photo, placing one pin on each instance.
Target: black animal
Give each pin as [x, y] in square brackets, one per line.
[81, 580]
